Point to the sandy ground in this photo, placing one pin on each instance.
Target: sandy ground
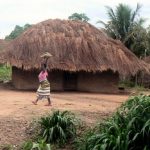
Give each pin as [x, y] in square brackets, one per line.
[16, 110]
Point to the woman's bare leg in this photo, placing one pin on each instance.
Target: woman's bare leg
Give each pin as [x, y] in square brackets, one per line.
[49, 102]
[35, 102]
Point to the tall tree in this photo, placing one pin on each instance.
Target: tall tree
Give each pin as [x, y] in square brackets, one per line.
[82, 16]
[122, 23]
[17, 31]
[140, 41]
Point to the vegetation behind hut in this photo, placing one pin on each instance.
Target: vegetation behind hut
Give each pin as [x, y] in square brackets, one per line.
[5, 73]
[124, 24]
[82, 17]
[17, 31]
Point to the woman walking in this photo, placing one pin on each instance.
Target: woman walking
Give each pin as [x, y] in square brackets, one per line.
[43, 91]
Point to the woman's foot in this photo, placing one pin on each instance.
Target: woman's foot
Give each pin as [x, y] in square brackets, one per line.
[35, 103]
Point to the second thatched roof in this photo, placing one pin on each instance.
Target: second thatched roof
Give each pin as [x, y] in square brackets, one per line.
[75, 46]
[3, 44]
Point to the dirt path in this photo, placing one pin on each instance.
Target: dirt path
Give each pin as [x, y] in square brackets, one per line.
[16, 110]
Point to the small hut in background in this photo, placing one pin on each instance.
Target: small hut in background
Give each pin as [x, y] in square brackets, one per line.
[84, 58]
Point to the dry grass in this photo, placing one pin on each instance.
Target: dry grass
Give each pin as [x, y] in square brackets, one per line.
[3, 44]
[75, 46]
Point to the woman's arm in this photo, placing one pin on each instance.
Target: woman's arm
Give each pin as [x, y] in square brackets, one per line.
[46, 60]
[45, 63]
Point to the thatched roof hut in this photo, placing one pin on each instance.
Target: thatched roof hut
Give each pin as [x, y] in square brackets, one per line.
[76, 47]
[3, 44]
[3, 47]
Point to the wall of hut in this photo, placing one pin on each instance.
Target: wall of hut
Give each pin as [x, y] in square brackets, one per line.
[24, 80]
[106, 82]
[28, 80]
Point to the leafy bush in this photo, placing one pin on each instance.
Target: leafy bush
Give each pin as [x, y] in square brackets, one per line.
[128, 128]
[40, 145]
[27, 145]
[5, 72]
[58, 127]
[83, 138]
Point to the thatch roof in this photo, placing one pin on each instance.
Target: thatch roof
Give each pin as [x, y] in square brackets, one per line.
[75, 46]
[3, 47]
[147, 59]
[3, 44]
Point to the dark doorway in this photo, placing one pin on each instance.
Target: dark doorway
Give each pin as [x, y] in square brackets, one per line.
[70, 81]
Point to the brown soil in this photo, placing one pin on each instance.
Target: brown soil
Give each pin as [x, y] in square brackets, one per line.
[17, 110]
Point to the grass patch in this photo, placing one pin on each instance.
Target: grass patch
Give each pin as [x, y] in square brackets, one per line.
[40, 145]
[56, 129]
[128, 128]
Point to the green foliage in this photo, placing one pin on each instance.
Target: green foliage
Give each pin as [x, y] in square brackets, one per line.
[128, 128]
[59, 128]
[17, 31]
[27, 145]
[121, 21]
[125, 25]
[76, 16]
[26, 26]
[126, 83]
[5, 73]
[140, 39]
[40, 145]
[80, 140]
